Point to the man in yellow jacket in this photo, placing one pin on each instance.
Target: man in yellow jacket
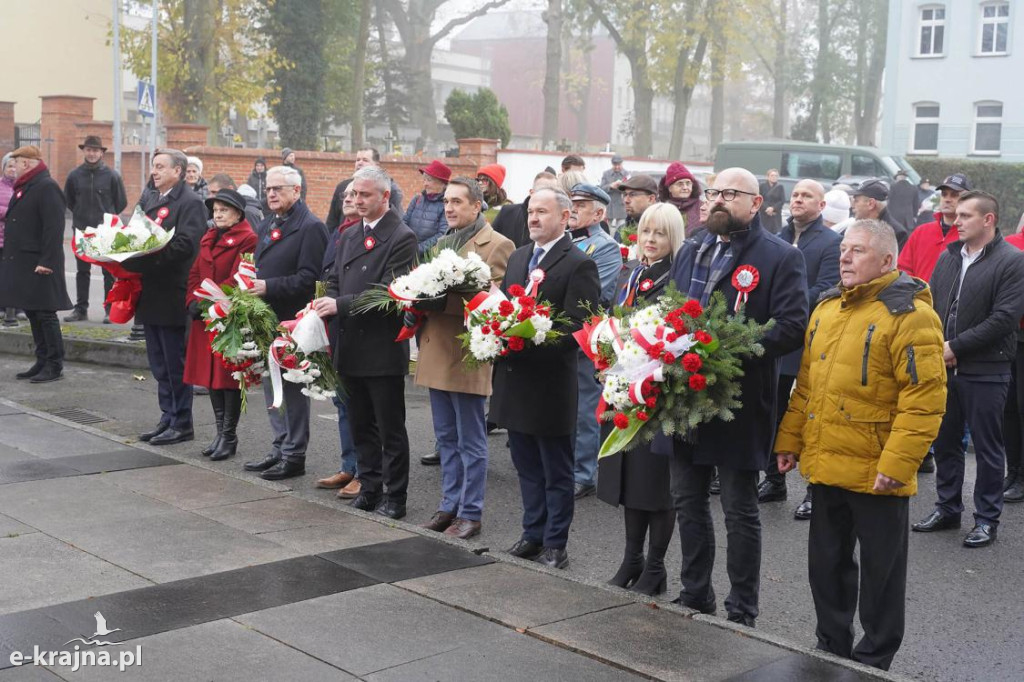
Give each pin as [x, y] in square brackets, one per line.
[868, 402]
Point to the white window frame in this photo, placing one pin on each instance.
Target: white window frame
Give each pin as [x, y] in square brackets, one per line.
[986, 119]
[927, 120]
[933, 23]
[995, 21]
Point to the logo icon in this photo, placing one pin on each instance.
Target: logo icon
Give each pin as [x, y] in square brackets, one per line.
[101, 631]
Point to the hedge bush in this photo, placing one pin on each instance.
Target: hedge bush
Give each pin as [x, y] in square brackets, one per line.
[1004, 180]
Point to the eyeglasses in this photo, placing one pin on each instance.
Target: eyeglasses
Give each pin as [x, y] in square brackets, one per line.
[727, 194]
[276, 189]
[481, 181]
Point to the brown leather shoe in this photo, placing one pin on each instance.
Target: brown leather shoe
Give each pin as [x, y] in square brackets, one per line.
[351, 491]
[439, 521]
[464, 529]
[338, 480]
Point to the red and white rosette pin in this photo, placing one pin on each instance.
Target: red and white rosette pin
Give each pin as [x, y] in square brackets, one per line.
[161, 214]
[745, 279]
[537, 276]
[275, 234]
[646, 285]
[369, 243]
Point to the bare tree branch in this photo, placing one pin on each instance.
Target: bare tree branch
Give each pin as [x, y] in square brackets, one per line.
[455, 23]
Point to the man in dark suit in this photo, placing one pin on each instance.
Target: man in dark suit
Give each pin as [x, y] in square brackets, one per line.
[287, 258]
[820, 248]
[535, 390]
[161, 307]
[372, 365]
[739, 448]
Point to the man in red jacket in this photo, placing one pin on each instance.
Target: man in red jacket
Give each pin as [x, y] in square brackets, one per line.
[926, 243]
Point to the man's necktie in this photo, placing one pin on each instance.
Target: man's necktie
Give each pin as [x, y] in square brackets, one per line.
[366, 230]
[538, 253]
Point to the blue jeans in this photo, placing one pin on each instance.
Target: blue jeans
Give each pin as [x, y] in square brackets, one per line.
[461, 430]
[349, 457]
[587, 441]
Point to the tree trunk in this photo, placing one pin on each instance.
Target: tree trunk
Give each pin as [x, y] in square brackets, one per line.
[552, 72]
[643, 106]
[200, 17]
[719, 52]
[781, 73]
[583, 115]
[359, 76]
[389, 96]
[860, 71]
[873, 80]
[682, 89]
[819, 85]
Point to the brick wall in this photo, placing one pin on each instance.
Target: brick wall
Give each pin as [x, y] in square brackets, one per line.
[58, 131]
[6, 127]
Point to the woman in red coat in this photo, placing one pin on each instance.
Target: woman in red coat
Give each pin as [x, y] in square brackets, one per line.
[220, 251]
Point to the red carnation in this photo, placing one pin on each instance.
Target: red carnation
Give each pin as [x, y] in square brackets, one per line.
[702, 336]
[642, 416]
[632, 238]
[624, 251]
[692, 362]
[485, 329]
[516, 290]
[506, 308]
[668, 359]
[698, 382]
[289, 361]
[516, 343]
[651, 402]
[692, 308]
[621, 421]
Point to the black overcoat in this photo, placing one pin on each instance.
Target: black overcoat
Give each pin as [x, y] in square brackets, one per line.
[165, 273]
[746, 441]
[364, 343]
[535, 390]
[290, 264]
[34, 235]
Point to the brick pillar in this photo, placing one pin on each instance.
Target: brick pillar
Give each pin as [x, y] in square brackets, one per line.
[57, 131]
[6, 127]
[105, 131]
[478, 150]
[184, 136]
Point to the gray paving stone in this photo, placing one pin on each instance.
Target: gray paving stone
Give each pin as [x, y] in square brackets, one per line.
[8, 410]
[39, 570]
[507, 656]
[265, 516]
[222, 650]
[115, 460]
[44, 438]
[173, 545]
[9, 454]
[34, 469]
[515, 596]
[347, 629]
[347, 531]
[52, 504]
[11, 528]
[802, 667]
[664, 645]
[28, 673]
[188, 487]
[413, 557]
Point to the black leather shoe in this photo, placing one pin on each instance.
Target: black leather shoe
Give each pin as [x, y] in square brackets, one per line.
[172, 436]
[431, 460]
[804, 509]
[709, 608]
[263, 464]
[284, 469]
[937, 521]
[742, 619]
[772, 490]
[981, 535]
[391, 509]
[524, 549]
[1015, 493]
[31, 371]
[553, 558]
[46, 376]
[365, 502]
[927, 464]
[149, 435]
[76, 315]
[582, 490]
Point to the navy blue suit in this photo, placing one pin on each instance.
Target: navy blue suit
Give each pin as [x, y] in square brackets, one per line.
[739, 448]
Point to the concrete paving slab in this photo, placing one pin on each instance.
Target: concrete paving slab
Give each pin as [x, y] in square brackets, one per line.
[33, 469]
[506, 657]
[173, 546]
[49, 505]
[39, 570]
[188, 487]
[348, 531]
[115, 460]
[517, 597]
[347, 629]
[44, 438]
[664, 645]
[417, 556]
[28, 673]
[222, 650]
[9, 454]
[7, 410]
[9, 528]
[801, 667]
[268, 515]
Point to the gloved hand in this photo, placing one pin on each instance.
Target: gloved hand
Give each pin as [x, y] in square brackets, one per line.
[431, 304]
[194, 312]
[409, 319]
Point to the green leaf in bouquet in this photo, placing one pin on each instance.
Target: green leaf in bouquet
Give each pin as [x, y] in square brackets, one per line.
[619, 439]
[121, 242]
[524, 330]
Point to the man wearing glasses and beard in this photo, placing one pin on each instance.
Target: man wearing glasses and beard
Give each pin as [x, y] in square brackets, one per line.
[735, 242]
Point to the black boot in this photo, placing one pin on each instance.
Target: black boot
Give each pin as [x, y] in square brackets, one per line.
[217, 402]
[1015, 493]
[633, 560]
[1012, 475]
[654, 579]
[229, 439]
[53, 344]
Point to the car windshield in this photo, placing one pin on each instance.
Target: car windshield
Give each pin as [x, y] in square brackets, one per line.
[896, 163]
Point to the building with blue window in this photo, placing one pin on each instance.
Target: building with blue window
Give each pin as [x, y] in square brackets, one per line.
[953, 79]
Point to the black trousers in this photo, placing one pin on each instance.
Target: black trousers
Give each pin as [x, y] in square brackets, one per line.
[691, 492]
[165, 350]
[376, 412]
[785, 390]
[879, 524]
[47, 337]
[82, 280]
[979, 405]
[1013, 415]
[545, 467]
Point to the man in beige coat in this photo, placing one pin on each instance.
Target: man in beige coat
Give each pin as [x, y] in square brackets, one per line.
[457, 395]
